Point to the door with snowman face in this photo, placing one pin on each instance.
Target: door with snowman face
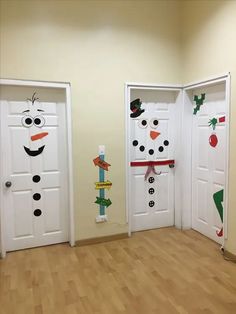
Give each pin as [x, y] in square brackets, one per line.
[33, 133]
[152, 153]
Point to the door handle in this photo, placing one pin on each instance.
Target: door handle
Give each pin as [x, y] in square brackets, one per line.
[8, 184]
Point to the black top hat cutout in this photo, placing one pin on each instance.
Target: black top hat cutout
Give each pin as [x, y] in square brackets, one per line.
[135, 107]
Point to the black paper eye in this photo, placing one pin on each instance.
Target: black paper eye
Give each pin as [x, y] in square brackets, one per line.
[39, 121]
[142, 123]
[27, 121]
[154, 123]
[135, 143]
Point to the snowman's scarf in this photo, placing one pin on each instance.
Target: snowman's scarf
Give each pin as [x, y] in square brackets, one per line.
[149, 170]
[151, 164]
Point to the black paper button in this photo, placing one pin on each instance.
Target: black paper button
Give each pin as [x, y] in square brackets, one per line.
[36, 179]
[151, 180]
[151, 203]
[151, 191]
[36, 196]
[37, 212]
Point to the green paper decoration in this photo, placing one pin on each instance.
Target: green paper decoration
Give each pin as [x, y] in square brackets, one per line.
[218, 199]
[103, 201]
[199, 102]
[213, 122]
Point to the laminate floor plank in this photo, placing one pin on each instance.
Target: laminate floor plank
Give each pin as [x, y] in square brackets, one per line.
[160, 271]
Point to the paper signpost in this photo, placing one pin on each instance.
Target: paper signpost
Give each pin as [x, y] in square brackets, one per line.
[102, 185]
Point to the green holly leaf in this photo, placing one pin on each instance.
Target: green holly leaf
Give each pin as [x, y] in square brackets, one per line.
[213, 122]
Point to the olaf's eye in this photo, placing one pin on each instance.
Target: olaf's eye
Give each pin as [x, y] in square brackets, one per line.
[142, 123]
[39, 121]
[154, 123]
[27, 121]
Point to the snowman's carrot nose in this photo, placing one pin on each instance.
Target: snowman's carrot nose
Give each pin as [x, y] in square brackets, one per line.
[154, 135]
[38, 136]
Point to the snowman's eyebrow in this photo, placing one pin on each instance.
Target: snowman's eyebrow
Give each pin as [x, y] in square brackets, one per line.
[25, 111]
[40, 110]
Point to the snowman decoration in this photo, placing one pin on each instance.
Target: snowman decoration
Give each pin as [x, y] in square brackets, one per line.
[33, 119]
[148, 144]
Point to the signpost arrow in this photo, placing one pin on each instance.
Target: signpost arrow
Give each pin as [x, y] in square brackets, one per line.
[101, 163]
[103, 201]
[103, 185]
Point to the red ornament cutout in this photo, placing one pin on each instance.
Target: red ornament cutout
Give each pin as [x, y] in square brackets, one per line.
[213, 140]
[220, 233]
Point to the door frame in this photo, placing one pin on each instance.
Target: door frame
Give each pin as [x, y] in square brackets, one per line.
[177, 178]
[67, 87]
[183, 172]
[187, 151]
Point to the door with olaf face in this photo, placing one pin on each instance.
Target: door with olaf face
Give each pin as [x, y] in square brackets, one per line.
[33, 137]
[152, 139]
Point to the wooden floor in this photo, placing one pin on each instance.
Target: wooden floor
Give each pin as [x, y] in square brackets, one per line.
[158, 271]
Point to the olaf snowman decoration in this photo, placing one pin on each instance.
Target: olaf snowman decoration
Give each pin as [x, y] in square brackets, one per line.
[33, 119]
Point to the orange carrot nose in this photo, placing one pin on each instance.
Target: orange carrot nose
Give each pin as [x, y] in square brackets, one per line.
[154, 134]
[38, 136]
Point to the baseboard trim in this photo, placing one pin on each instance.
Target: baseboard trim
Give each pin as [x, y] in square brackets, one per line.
[229, 256]
[101, 239]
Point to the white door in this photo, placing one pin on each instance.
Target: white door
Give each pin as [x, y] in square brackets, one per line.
[152, 137]
[209, 160]
[34, 163]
